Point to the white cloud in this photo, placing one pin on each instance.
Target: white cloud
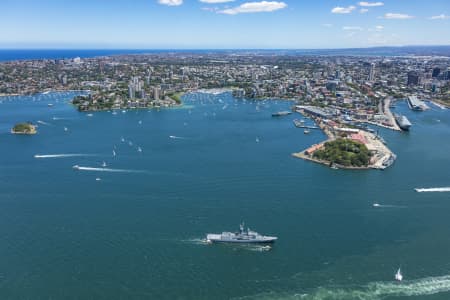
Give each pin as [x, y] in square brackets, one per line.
[370, 4]
[343, 10]
[253, 7]
[352, 28]
[363, 10]
[327, 25]
[171, 2]
[440, 17]
[216, 1]
[212, 9]
[396, 16]
[378, 28]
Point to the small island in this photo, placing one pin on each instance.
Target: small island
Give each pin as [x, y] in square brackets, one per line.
[24, 128]
[344, 153]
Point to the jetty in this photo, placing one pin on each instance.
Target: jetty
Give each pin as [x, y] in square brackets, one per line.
[389, 115]
[299, 124]
[415, 104]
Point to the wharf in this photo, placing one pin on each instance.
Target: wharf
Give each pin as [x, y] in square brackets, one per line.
[389, 115]
[301, 125]
[382, 125]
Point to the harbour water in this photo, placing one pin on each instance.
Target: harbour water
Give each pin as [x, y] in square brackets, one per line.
[135, 229]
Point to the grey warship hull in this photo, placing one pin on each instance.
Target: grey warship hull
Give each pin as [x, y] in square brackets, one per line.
[218, 238]
[402, 122]
[241, 237]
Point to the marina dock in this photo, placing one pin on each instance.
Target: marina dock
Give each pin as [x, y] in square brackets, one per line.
[299, 124]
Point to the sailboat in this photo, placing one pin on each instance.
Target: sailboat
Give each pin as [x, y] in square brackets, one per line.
[114, 153]
[104, 164]
[398, 275]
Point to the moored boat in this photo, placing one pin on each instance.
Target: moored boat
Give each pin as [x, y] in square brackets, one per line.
[281, 113]
[402, 122]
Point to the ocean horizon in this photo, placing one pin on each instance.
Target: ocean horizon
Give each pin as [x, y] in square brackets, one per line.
[7, 54]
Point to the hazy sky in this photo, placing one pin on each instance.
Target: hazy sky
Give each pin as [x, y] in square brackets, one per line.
[216, 24]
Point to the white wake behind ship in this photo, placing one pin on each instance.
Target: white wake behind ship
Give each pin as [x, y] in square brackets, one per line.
[433, 190]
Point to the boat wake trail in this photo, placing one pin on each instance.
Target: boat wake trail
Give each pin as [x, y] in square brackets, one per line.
[43, 123]
[196, 241]
[92, 169]
[372, 291]
[378, 205]
[258, 248]
[177, 137]
[248, 247]
[61, 155]
[433, 190]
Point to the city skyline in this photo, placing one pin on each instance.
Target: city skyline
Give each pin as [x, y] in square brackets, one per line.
[223, 24]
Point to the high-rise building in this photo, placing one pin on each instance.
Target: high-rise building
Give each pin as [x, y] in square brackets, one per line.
[413, 78]
[372, 72]
[130, 91]
[436, 72]
[447, 74]
[156, 92]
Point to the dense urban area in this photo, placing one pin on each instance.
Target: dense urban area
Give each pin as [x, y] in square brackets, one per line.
[339, 92]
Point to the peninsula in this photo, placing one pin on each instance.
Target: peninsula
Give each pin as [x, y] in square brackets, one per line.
[348, 146]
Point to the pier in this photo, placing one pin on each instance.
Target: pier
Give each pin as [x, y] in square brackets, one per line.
[299, 124]
[389, 115]
[416, 104]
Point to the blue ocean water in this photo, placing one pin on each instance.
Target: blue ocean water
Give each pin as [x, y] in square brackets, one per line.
[136, 230]
[23, 54]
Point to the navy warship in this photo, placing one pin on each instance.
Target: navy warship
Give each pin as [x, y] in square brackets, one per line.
[402, 122]
[242, 236]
